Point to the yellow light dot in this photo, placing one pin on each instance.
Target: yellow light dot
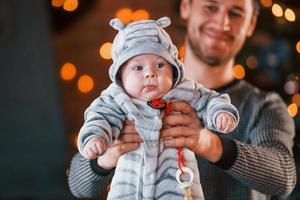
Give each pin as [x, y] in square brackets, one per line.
[296, 99]
[140, 14]
[68, 71]
[238, 71]
[105, 50]
[75, 139]
[266, 3]
[85, 84]
[290, 15]
[181, 52]
[293, 109]
[57, 3]
[124, 14]
[70, 5]
[277, 10]
[298, 46]
[251, 62]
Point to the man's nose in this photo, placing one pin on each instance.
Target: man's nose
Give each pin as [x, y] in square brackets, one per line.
[222, 21]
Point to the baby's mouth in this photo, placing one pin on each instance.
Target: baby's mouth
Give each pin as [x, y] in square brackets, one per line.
[150, 87]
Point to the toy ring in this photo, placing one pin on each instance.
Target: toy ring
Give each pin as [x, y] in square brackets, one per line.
[185, 183]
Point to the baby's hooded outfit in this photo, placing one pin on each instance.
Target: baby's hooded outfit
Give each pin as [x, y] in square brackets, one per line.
[148, 172]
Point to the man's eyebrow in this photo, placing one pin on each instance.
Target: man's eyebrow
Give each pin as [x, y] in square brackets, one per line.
[212, 1]
[239, 8]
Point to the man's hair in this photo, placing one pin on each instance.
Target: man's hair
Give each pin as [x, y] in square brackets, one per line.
[256, 6]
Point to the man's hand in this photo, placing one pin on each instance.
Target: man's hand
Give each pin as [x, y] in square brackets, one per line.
[128, 140]
[182, 128]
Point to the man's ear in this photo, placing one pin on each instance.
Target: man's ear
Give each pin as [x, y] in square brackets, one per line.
[185, 9]
[252, 26]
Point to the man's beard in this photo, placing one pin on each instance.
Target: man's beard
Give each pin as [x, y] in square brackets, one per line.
[212, 61]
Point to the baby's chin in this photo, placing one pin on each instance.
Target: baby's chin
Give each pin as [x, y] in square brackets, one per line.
[149, 97]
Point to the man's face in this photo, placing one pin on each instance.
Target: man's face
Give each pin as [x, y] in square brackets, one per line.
[147, 76]
[217, 29]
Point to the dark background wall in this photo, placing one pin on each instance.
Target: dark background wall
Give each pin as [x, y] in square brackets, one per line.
[32, 144]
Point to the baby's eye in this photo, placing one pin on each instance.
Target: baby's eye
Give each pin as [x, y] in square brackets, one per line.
[137, 68]
[160, 65]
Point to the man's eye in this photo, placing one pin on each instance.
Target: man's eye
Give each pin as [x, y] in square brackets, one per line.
[137, 68]
[212, 8]
[235, 14]
[159, 65]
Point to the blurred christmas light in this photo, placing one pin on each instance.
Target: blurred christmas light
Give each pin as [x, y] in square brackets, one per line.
[298, 46]
[296, 99]
[57, 3]
[291, 87]
[124, 14]
[277, 10]
[105, 50]
[238, 71]
[75, 137]
[266, 3]
[70, 5]
[251, 62]
[181, 52]
[140, 14]
[292, 109]
[68, 71]
[85, 83]
[290, 15]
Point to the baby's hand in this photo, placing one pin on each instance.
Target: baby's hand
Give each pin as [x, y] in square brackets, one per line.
[94, 147]
[225, 122]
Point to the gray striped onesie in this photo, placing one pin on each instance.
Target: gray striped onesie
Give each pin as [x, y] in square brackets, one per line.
[149, 172]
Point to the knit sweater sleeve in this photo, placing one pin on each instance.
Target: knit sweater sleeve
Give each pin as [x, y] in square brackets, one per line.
[86, 179]
[266, 163]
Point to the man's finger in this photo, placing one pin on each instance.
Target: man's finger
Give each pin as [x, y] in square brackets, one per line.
[182, 107]
[177, 120]
[128, 138]
[178, 132]
[121, 149]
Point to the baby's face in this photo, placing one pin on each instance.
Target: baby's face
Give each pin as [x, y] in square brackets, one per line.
[147, 76]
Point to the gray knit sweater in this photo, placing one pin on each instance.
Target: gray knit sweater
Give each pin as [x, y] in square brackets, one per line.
[257, 161]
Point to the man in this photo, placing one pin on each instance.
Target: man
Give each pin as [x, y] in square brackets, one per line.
[253, 162]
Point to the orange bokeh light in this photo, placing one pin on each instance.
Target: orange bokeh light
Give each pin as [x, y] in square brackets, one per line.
[124, 14]
[57, 3]
[68, 71]
[293, 109]
[238, 71]
[105, 50]
[266, 3]
[85, 83]
[298, 46]
[70, 5]
[296, 99]
[181, 52]
[140, 14]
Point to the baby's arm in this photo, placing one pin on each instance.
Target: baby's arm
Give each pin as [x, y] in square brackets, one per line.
[103, 120]
[95, 147]
[209, 104]
[225, 122]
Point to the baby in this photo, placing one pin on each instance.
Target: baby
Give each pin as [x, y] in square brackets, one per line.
[146, 75]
